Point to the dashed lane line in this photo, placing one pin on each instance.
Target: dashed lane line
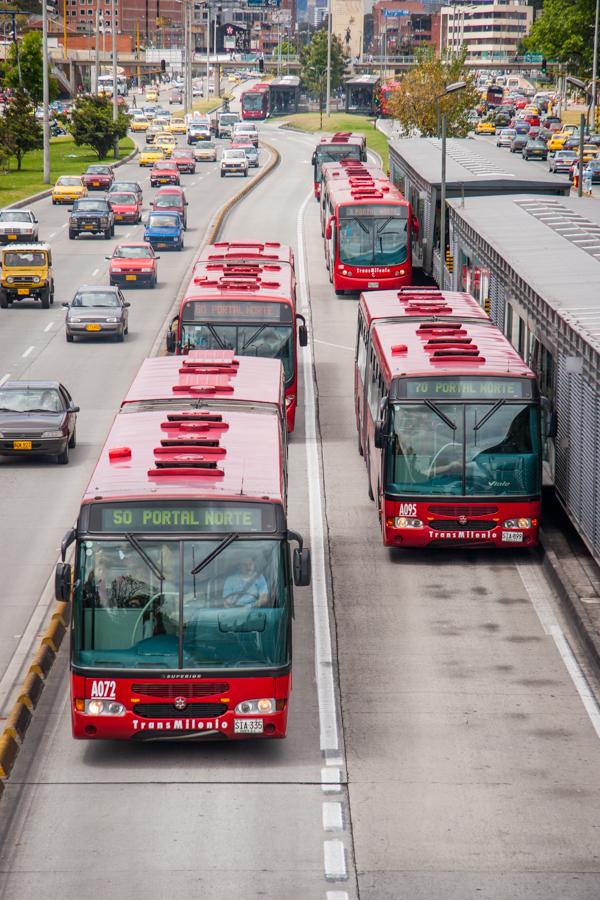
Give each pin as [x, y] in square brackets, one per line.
[28, 351]
[49, 326]
[4, 379]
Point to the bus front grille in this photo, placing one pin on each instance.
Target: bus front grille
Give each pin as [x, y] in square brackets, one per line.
[169, 690]
[169, 711]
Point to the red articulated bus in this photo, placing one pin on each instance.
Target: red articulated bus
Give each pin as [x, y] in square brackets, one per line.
[333, 148]
[182, 581]
[388, 89]
[247, 251]
[249, 308]
[368, 229]
[449, 423]
[255, 102]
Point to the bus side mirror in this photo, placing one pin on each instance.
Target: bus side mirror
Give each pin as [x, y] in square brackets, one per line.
[313, 159]
[329, 229]
[171, 342]
[62, 582]
[379, 437]
[302, 567]
[302, 331]
[552, 425]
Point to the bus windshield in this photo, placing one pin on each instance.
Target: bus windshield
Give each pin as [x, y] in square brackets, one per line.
[169, 604]
[470, 449]
[333, 153]
[271, 341]
[375, 240]
[253, 102]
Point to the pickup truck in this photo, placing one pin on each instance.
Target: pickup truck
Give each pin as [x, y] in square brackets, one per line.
[91, 216]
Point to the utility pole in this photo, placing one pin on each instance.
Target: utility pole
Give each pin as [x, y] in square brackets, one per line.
[114, 72]
[65, 48]
[207, 50]
[99, 28]
[329, 29]
[45, 93]
[185, 61]
[595, 68]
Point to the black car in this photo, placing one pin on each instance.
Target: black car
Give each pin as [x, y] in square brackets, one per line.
[37, 417]
[127, 187]
[535, 150]
[519, 142]
[97, 310]
[91, 216]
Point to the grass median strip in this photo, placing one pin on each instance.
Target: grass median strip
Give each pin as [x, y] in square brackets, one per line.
[311, 122]
[65, 159]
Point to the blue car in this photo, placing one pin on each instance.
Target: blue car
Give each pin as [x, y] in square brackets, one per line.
[164, 230]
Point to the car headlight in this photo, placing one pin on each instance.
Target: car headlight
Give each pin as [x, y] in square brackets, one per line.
[104, 220]
[520, 524]
[36, 279]
[112, 319]
[265, 706]
[104, 708]
[10, 279]
[74, 319]
[52, 434]
[404, 522]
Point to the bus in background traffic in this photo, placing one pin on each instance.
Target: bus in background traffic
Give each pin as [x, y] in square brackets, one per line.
[333, 148]
[182, 581]
[106, 82]
[249, 308]
[494, 95]
[388, 88]
[367, 231]
[449, 425]
[255, 102]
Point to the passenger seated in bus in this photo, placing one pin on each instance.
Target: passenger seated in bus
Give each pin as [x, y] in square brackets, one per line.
[247, 587]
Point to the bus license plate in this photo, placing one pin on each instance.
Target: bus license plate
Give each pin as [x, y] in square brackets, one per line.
[248, 726]
[130, 277]
[372, 284]
[22, 445]
[513, 537]
[93, 326]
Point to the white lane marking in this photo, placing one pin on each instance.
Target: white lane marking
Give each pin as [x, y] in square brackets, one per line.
[49, 326]
[331, 780]
[336, 895]
[28, 351]
[335, 860]
[329, 738]
[95, 272]
[537, 590]
[65, 225]
[337, 346]
[128, 234]
[4, 379]
[332, 816]
[50, 236]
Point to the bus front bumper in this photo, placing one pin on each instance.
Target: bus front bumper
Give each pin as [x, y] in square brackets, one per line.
[356, 281]
[178, 727]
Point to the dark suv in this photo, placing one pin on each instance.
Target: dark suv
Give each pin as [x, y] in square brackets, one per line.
[91, 216]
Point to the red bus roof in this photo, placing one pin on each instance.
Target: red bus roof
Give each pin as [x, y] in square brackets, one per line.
[271, 282]
[194, 453]
[356, 174]
[419, 303]
[362, 190]
[343, 137]
[413, 349]
[260, 88]
[209, 377]
[242, 251]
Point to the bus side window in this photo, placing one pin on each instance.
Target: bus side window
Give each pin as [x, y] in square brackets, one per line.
[374, 389]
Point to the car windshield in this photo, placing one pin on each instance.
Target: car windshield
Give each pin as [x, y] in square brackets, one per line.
[163, 221]
[24, 400]
[167, 604]
[125, 186]
[31, 258]
[168, 202]
[95, 298]
[133, 253]
[233, 154]
[228, 118]
[123, 199]
[98, 170]
[69, 181]
[14, 215]
[209, 145]
[180, 154]
[90, 206]
[463, 449]
[374, 241]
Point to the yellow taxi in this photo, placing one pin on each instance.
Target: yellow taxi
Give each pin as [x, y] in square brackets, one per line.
[68, 188]
[177, 126]
[140, 123]
[151, 95]
[484, 127]
[151, 155]
[557, 141]
[166, 142]
[590, 151]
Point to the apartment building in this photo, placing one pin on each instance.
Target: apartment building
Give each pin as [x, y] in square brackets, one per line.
[488, 30]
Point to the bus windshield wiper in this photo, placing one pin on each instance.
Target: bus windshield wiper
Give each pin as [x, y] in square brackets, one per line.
[254, 335]
[141, 552]
[489, 414]
[385, 224]
[441, 414]
[218, 549]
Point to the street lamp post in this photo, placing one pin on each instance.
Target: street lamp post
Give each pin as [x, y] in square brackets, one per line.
[45, 93]
[595, 66]
[114, 73]
[450, 89]
[329, 32]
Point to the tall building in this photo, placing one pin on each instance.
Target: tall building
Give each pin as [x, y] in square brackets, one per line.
[347, 22]
[402, 26]
[488, 30]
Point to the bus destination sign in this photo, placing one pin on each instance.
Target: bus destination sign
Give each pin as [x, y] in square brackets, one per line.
[236, 311]
[182, 517]
[466, 388]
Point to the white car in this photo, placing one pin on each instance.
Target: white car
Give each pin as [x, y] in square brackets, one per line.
[17, 226]
[234, 162]
[245, 132]
[504, 137]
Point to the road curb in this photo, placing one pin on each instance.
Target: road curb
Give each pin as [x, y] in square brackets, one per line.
[46, 193]
[21, 714]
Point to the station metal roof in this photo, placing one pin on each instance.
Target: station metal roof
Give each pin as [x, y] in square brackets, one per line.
[477, 167]
[550, 243]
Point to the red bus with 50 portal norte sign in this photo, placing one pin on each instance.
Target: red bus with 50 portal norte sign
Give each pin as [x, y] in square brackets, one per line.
[182, 581]
[449, 425]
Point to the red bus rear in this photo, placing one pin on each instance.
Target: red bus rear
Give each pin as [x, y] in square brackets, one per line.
[255, 102]
[249, 308]
[449, 424]
[388, 88]
[368, 229]
[333, 148]
[247, 251]
[182, 581]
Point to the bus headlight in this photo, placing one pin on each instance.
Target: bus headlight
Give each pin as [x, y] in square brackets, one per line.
[264, 706]
[520, 524]
[404, 522]
[104, 708]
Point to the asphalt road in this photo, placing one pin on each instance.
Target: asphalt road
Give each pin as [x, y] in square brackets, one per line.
[443, 739]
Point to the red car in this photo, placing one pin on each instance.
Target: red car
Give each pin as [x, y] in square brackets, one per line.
[133, 264]
[184, 160]
[164, 172]
[98, 178]
[533, 120]
[171, 200]
[127, 207]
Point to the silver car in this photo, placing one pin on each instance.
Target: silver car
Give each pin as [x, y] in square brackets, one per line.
[504, 137]
[97, 310]
[18, 225]
[206, 151]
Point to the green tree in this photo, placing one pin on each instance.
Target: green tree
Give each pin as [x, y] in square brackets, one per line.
[20, 131]
[313, 62]
[32, 73]
[92, 124]
[413, 103]
[565, 32]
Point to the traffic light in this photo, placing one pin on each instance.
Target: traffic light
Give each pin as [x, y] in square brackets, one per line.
[544, 64]
[163, 65]
[487, 305]
[261, 65]
[449, 261]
